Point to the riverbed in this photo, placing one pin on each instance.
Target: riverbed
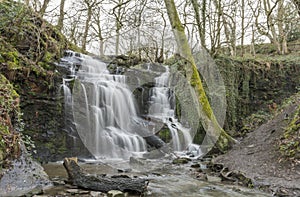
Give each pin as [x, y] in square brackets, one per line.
[165, 178]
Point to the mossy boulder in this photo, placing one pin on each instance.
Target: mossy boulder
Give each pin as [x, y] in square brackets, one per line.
[29, 48]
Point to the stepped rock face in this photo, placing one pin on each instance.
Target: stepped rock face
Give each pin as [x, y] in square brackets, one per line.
[255, 85]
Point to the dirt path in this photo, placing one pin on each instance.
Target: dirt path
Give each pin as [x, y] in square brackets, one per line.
[257, 157]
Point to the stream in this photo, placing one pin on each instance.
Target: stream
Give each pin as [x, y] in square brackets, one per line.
[165, 178]
[104, 114]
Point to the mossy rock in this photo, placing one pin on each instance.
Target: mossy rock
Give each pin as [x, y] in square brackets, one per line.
[182, 160]
[9, 114]
[290, 140]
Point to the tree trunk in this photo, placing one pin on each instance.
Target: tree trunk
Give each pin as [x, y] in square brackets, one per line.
[44, 7]
[60, 22]
[86, 28]
[280, 21]
[209, 120]
[252, 47]
[78, 177]
[297, 4]
[199, 26]
[101, 48]
[117, 42]
[243, 27]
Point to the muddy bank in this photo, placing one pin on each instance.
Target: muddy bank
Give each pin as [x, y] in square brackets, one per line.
[259, 158]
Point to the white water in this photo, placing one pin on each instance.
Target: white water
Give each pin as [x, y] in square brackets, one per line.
[161, 108]
[104, 111]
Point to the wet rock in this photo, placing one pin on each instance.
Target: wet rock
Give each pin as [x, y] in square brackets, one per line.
[201, 177]
[35, 191]
[124, 170]
[155, 154]
[95, 194]
[216, 167]
[182, 160]
[196, 165]
[25, 176]
[77, 192]
[115, 193]
[214, 179]
[71, 186]
[73, 191]
[137, 161]
[58, 182]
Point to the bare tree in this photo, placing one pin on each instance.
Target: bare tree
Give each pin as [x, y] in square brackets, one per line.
[89, 8]
[297, 4]
[60, 22]
[215, 27]
[193, 77]
[119, 12]
[201, 22]
[277, 23]
[73, 29]
[44, 7]
[97, 28]
[242, 10]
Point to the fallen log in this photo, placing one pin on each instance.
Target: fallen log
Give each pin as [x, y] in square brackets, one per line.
[78, 177]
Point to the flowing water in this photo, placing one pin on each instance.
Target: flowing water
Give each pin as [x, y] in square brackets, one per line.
[105, 112]
[162, 109]
[165, 179]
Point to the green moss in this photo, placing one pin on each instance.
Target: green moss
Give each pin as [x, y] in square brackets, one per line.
[164, 134]
[47, 61]
[197, 84]
[254, 83]
[9, 111]
[290, 141]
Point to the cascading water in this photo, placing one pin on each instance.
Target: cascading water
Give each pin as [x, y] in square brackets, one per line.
[162, 109]
[104, 110]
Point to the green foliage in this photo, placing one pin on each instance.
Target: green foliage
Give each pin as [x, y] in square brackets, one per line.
[33, 39]
[290, 141]
[9, 111]
[254, 121]
[29, 143]
[8, 98]
[294, 33]
[253, 84]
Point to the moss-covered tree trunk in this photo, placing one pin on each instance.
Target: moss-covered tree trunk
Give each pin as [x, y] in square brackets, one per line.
[208, 119]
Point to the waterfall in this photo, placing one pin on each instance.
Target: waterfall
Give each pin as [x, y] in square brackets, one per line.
[161, 108]
[104, 109]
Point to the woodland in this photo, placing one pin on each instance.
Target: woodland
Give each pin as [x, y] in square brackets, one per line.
[228, 71]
